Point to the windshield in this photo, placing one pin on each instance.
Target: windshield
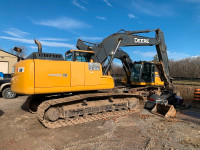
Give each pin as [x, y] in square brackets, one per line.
[83, 56]
[135, 74]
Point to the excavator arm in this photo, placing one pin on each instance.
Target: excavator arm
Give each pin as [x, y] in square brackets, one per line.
[108, 49]
[120, 54]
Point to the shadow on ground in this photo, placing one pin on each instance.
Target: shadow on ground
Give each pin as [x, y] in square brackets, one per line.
[25, 105]
[33, 101]
[1, 112]
[191, 115]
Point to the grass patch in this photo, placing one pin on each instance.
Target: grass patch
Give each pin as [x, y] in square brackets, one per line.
[186, 82]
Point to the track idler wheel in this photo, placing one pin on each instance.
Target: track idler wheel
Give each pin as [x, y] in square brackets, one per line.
[52, 114]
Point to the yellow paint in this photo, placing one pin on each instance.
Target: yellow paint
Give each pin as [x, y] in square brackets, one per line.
[158, 80]
[48, 76]
[50, 73]
[92, 77]
[77, 73]
[142, 83]
[23, 82]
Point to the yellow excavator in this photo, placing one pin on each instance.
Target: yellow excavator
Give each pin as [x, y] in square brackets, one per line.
[76, 89]
[144, 74]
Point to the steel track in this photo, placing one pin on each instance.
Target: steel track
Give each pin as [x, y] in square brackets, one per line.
[81, 119]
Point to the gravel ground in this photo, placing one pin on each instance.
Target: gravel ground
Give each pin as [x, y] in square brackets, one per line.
[142, 130]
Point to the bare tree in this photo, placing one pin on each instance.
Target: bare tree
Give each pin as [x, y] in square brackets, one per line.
[117, 69]
[21, 54]
[155, 58]
[188, 67]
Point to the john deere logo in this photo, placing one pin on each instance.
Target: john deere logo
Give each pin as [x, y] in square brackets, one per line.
[55, 75]
[141, 40]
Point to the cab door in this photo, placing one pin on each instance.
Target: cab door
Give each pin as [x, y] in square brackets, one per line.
[148, 73]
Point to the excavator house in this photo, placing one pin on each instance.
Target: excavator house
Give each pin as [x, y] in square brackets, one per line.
[82, 79]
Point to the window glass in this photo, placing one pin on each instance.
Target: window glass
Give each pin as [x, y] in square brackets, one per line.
[135, 74]
[147, 73]
[83, 56]
[68, 57]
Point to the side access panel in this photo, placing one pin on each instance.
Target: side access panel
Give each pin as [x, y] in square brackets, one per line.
[50, 73]
[77, 73]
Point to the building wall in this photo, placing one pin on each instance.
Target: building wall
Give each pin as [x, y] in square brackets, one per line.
[6, 57]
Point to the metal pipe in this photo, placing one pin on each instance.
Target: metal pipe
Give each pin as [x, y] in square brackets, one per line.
[39, 46]
[113, 55]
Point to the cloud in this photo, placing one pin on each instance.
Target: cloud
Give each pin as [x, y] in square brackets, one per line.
[75, 2]
[91, 38]
[54, 39]
[101, 18]
[58, 44]
[15, 32]
[45, 43]
[21, 40]
[33, 47]
[152, 9]
[107, 2]
[85, 1]
[196, 56]
[131, 16]
[145, 53]
[63, 23]
[171, 54]
[177, 55]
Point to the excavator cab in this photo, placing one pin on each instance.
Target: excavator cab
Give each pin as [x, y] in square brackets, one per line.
[145, 73]
[79, 55]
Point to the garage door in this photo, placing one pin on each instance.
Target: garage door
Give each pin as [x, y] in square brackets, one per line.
[4, 67]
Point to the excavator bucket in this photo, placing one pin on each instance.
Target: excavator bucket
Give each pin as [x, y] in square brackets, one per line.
[164, 110]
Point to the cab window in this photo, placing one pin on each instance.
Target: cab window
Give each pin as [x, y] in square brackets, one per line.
[148, 72]
[68, 57]
[135, 74]
[83, 56]
[80, 57]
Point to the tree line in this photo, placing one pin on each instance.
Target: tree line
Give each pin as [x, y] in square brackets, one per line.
[188, 67]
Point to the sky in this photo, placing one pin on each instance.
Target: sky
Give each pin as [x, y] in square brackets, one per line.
[57, 24]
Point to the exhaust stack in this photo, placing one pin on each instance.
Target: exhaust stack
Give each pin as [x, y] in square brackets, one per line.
[39, 46]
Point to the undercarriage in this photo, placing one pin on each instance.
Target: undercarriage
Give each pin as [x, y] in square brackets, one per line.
[82, 108]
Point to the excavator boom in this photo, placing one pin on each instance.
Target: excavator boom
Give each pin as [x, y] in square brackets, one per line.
[107, 49]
